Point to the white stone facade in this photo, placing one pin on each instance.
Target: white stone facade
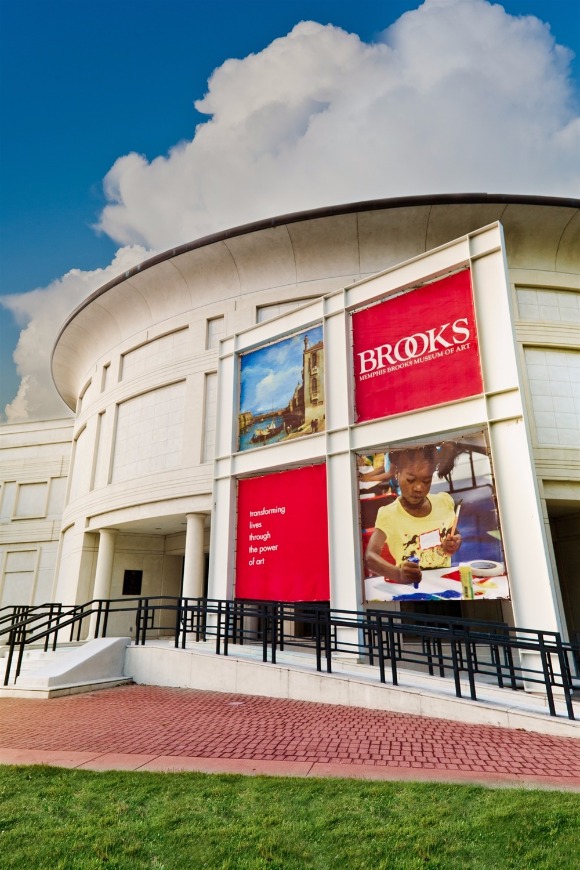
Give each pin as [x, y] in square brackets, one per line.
[137, 363]
[34, 458]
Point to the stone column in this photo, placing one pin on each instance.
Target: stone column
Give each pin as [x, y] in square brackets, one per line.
[104, 570]
[193, 564]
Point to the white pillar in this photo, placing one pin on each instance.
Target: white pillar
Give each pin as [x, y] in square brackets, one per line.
[193, 565]
[104, 569]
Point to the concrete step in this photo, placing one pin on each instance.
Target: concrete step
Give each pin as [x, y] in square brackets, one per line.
[33, 658]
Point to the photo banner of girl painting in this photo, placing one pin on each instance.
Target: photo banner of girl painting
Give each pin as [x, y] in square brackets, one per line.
[429, 523]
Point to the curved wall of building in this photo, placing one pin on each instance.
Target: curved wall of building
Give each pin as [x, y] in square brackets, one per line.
[138, 362]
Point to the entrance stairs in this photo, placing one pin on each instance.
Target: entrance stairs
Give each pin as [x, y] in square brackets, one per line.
[69, 669]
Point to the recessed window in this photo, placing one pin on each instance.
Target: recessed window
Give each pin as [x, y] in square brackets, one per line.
[215, 330]
[31, 500]
[105, 376]
[267, 312]
[132, 582]
[209, 417]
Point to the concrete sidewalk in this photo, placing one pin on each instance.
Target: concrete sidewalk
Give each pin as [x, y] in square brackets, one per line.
[163, 729]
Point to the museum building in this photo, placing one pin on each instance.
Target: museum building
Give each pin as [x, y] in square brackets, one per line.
[245, 407]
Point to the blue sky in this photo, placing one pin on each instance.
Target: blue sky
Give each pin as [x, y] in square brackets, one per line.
[85, 83]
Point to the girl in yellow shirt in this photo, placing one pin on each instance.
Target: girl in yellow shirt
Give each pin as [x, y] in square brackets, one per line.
[416, 526]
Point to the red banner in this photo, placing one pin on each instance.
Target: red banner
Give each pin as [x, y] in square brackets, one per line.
[282, 536]
[416, 350]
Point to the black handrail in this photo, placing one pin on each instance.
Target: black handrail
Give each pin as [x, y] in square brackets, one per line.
[474, 650]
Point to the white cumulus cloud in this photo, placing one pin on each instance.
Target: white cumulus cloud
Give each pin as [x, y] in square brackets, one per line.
[456, 95]
[41, 313]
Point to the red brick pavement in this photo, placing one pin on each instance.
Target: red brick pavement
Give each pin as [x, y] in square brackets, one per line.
[154, 728]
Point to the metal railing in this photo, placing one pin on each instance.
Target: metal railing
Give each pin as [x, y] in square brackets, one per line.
[470, 652]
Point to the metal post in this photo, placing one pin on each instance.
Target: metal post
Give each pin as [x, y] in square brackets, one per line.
[566, 676]
[394, 675]
[380, 648]
[227, 622]
[264, 617]
[455, 664]
[218, 629]
[274, 631]
[544, 655]
[470, 669]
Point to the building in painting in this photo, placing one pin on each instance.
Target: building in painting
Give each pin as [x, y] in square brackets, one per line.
[245, 420]
[149, 365]
[313, 380]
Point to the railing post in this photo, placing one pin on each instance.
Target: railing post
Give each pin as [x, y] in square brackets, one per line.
[75, 624]
[264, 612]
[20, 654]
[178, 623]
[368, 632]
[11, 642]
[426, 641]
[59, 609]
[138, 617]
[317, 640]
[455, 663]
[218, 629]
[193, 617]
[143, 608]
[196, 616]
[393, 653]
[380, 647]
[566, 676]
[227, 621]
[98, 620]
[496, 660]
[440, 657]
[470, 669]
[274, 638]
[280, 616]
[107, 607]
[546, 667]
[47, 638]
[509, 658]
[327, 640]
[203, 616]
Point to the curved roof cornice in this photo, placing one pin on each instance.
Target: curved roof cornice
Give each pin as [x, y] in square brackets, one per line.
[317, 251]
[316, 213]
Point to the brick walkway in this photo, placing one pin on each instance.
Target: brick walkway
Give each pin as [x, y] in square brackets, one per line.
[153, 728]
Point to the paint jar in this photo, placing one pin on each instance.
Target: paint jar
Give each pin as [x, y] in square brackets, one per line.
[466, 575]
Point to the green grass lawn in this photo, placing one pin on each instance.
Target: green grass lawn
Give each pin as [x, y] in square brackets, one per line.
[70, 819]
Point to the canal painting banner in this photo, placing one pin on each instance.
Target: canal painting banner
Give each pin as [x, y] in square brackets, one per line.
[282, 536]
[417, 349]
[282, 390]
